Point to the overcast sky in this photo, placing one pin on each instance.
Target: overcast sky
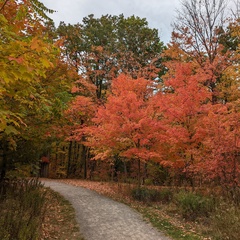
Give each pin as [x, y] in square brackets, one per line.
[159, 13]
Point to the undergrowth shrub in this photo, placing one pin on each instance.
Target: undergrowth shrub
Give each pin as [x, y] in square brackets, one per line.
[165, 195]
[192, 205]
[226, 222]
[21, 209]
[145, 194]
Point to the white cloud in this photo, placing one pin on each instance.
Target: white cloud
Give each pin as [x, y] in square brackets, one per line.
[159, 13]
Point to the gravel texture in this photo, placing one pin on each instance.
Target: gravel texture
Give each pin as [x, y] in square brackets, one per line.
[101, 218]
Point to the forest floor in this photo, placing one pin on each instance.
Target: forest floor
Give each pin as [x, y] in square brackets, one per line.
[169, 225]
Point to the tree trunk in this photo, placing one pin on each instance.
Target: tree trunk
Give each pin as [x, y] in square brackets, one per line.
[69, 158]
[125, 171]
[4, 160]
[145, 173]
[84, 159]
[139, 173]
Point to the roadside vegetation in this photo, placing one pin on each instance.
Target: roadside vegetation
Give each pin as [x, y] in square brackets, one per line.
[30, 211]
[180, 213]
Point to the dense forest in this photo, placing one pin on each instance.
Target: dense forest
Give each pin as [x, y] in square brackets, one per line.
[105, 99]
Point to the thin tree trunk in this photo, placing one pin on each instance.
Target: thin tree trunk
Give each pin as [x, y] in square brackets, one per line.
[139, 173]
[145, 173]
[125, 171]
[69, 158]
[84, 158]
[4, 160]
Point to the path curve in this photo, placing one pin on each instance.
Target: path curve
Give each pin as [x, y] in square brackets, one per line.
[101, 218]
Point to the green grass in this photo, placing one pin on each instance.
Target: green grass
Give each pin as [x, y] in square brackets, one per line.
[164, 225]
[210, 218]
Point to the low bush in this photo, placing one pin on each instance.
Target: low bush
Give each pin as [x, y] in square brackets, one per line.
[145, 194]
[165, 195]
[21, 209]
[192, 205]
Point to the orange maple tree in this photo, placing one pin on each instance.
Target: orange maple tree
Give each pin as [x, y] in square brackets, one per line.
[183, 102]
[218, 156]
[126, 125]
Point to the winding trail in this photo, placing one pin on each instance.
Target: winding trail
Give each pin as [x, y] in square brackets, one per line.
[101, 218]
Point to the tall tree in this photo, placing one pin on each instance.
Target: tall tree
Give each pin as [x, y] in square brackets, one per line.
[196, 27]
[198, 31]
[28, 89]
[102, 48]
[217, 157]
[182, 104]
[126, 125]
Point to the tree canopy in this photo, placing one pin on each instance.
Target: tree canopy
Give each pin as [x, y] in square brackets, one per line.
[31, 83]
[106, 95]
[102, 48]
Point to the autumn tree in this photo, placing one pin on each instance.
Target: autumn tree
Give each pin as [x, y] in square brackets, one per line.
[218, 157]
[228, 84]
[102, 48]
[197, 24]
[79, 115]
[182, 102]
[29, 93]
[126, 125]
[221, 125]
[198, 35]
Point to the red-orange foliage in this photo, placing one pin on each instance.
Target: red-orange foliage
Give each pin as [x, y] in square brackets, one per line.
[183, 104]
[178, 126]
[203, 138]
[80, 115]
[219, 154]
[126, 125]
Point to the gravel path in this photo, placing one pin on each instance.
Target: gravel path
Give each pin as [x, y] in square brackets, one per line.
[101, 218]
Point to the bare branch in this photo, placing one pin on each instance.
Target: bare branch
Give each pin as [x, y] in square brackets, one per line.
[202, 18]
